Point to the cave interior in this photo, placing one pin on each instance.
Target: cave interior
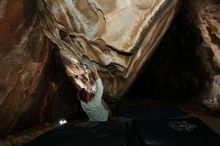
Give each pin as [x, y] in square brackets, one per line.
[175, 78]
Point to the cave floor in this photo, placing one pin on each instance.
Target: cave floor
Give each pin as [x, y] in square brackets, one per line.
[193, 109]
[210, 118]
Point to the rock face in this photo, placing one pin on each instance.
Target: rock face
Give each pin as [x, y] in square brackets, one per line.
[24, 51]
[205, 16]
[116, 36]
[30, 91]
[186, 63]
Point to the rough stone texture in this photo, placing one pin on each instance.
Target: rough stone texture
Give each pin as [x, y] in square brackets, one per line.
[116, 36]
[175, 71]
[30, 91]
[205, 15]
[24, 51]
[186, 63]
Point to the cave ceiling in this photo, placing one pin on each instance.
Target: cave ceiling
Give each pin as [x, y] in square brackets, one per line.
[117, 36]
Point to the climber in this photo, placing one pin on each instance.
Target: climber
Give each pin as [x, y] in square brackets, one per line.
[94, 106]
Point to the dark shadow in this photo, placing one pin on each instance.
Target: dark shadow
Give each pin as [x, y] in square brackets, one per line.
[175, 71]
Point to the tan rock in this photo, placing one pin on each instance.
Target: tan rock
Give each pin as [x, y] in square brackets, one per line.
[117, 36]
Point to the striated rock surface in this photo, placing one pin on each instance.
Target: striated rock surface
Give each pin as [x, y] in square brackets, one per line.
[24, 51]
[30, 90]
[42, 41]
[117, 36]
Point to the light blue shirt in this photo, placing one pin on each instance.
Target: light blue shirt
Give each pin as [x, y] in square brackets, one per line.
[94, 108]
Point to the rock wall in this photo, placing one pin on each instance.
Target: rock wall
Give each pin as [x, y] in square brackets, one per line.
[185, 66]
[116, 36]
[205, 15]
[31, 89]
[24, 51]
[46, 47]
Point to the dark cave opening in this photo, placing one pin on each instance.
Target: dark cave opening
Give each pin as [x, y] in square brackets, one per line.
[175, 70]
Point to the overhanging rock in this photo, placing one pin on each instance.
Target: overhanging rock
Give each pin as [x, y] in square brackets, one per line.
[117, 36]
